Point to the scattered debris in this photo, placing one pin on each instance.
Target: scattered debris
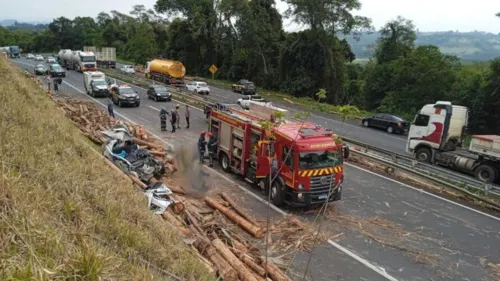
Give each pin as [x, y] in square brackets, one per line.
[209, 225]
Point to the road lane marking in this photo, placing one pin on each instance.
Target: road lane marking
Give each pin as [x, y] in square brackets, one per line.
[154, 108]
[365, 262]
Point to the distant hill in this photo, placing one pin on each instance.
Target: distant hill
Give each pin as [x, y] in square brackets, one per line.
[6, 23]
[469, 46]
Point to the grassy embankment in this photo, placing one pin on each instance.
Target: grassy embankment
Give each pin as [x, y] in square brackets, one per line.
[65, 215]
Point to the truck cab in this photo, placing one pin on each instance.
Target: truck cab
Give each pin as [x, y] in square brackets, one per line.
[436, 136]
[303, 160]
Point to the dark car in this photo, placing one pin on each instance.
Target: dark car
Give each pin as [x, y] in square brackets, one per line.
[390, 123]
[124, 95]
[56, 70]
[244, 87]
[40, 69]
[159, 93]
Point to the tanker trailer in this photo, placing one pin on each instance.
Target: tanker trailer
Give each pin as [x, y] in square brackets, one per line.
[166, 71]
[60, 57]
[83, 61]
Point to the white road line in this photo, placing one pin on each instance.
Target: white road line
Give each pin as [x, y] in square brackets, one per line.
[363, 261]
[426, 192]
[154, 108]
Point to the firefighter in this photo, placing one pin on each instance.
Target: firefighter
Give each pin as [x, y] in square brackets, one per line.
[202, 143]
[163, 119]
[178, 119]
[212, 148]
[173, 119]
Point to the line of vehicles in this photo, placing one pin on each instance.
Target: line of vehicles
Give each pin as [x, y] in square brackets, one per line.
[433, 136]
[11, 51]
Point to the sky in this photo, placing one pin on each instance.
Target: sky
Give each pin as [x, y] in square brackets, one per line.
[427, 15]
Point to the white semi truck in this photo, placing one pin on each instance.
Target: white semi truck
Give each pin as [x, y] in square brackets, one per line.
[436, 136]
[77, 60]
[105, 56]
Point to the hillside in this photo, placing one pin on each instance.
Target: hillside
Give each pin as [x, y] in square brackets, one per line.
[65, 214]
[469, 46]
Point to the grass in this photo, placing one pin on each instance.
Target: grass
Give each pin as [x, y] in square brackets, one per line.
[65, 215]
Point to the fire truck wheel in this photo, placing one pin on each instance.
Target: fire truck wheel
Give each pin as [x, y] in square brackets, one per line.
[224, 162]
[277, 193]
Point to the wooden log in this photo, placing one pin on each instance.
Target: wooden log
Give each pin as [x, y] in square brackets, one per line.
[184, 231]
[250, 262]
[246, 225]
[274, 272]
[157, 153]
[193, 221]
[238, 209]
[138, 182]
[148, 144]
[241, 269]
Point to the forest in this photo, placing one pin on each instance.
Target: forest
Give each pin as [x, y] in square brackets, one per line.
[246, 39]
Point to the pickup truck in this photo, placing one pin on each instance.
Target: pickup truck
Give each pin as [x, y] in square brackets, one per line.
[245, 101]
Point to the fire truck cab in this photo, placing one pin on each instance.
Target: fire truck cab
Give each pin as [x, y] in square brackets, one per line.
[310, 174]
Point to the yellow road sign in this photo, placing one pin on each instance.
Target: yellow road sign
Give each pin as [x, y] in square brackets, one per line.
[213, 68]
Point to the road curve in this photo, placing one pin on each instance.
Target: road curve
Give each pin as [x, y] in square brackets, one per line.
[419, 236]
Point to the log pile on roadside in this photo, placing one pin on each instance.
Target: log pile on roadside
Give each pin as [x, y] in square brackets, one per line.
[211, 226]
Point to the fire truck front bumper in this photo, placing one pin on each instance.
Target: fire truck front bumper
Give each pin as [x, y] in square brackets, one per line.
[305, 198]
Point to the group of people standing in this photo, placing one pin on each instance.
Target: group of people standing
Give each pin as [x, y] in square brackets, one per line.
[57, 81]
[175, 118]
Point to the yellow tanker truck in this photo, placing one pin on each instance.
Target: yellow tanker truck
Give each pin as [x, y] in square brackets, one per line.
[166, 71]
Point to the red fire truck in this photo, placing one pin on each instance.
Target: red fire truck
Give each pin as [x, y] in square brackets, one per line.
[314, 165]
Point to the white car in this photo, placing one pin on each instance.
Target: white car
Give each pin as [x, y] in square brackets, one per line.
[198, 87]
[246, 100]
[128, 69]
[30, 56]
[38, 58]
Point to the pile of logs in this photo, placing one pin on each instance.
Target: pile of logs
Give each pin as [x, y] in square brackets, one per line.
[210, 223]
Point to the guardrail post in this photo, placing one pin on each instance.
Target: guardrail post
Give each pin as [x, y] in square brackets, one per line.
[487, 188]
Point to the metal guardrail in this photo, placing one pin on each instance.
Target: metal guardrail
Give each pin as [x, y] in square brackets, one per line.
[430, 171]
[440, 175]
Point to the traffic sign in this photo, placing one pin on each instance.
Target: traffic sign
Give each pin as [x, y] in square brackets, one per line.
[213, 68]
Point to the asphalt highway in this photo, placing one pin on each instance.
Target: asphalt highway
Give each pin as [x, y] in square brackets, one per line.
[382, 229]
[351, 129]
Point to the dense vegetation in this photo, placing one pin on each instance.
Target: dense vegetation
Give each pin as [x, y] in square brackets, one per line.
[245, 39]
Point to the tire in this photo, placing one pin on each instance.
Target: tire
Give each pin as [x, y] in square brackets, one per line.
[424, 154]
[390, 129]
[486, 173]
[277, 193]
[366, 123]
[137, 104]
[224, 162]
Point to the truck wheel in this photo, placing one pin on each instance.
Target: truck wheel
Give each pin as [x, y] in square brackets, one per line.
[277, 193]
[423, 155]
[486, 173]
[224, 162]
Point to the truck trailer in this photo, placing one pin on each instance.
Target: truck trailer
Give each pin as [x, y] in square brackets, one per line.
[105, 56]
[311, 174]
[166, 71]
[437, 134]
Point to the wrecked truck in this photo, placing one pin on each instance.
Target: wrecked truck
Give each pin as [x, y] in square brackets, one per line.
[133, 160]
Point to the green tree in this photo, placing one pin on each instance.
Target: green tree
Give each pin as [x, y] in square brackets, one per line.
[424, 76]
